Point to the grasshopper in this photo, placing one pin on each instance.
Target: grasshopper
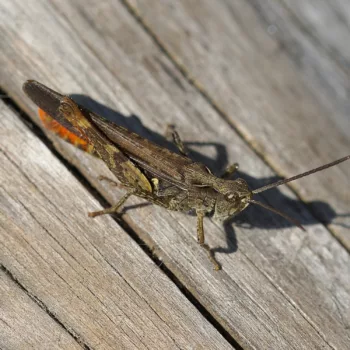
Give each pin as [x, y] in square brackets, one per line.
[144, 169]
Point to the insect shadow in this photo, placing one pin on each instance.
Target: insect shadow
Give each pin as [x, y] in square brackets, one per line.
[252, 217]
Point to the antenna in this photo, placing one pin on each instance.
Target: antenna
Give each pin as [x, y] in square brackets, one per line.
[282, 182]
[293, 221]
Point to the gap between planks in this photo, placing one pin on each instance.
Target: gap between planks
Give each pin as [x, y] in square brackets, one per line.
[132, 232]
[43, 307]
[201, 90]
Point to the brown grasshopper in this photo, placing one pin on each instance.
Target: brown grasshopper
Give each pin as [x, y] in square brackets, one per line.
[149, 171]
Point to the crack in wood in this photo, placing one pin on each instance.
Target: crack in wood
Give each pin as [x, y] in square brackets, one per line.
[125, 226]
[192, 81]
[38, 302]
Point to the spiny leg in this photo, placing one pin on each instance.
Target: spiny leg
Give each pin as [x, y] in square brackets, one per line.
[111, 181]
[230, 170]
[170, 131]
[113, 209]
[200, 239]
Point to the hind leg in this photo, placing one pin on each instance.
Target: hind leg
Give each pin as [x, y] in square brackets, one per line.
[114, 208]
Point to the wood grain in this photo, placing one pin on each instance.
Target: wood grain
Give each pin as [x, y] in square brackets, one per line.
[25, 325]
[278, 72]
[282, 288]
[90, 275]
[314, 35]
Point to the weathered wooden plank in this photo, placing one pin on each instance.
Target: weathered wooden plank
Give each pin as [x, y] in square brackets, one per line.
[315, 35]
[90, 275]
[267, 292]
[269, 77]
[25, 325]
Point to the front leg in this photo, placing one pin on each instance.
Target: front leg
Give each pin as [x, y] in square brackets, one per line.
[200, 239]
[229, 171]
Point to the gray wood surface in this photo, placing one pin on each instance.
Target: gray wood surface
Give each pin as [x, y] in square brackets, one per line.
[278, 71]
[282, 288]
[25, 325]
[90, 275]
[314, 34]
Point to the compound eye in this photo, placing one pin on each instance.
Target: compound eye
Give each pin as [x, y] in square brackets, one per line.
[230, 196]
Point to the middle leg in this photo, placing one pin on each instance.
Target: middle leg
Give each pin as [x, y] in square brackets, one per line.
[200, 239]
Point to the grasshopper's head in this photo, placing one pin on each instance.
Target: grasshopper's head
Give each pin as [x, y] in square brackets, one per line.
[233, 197]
